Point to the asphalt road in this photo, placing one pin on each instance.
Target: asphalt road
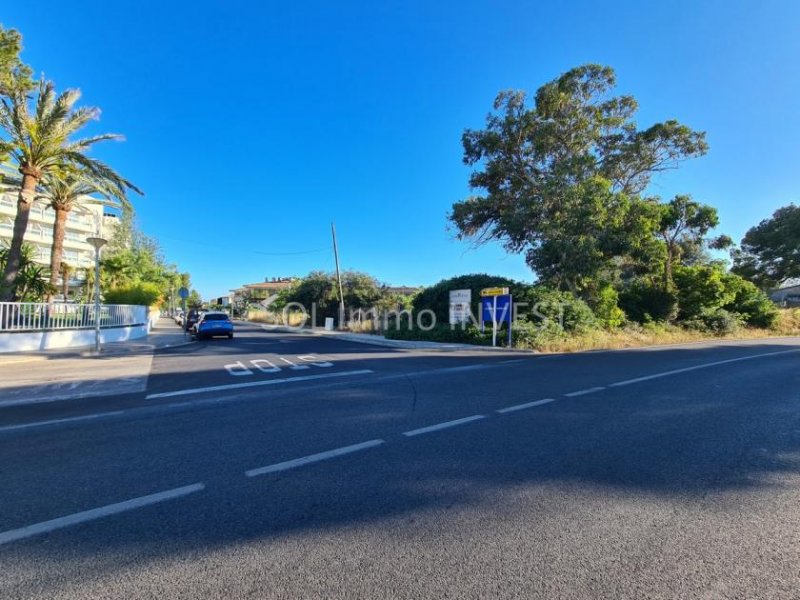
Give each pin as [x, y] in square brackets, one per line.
[290, 466]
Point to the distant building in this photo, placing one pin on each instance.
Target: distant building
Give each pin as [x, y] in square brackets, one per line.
[402, 290]
[221, 301]
[255, 292]
[788, 294]
[87, 220]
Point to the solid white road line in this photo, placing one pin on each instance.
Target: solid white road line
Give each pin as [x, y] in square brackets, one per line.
[251, 384]
[445, 425]
[517, 407]
[697, 367]
[477, 367]
[96, 513]
[64, 420]
[299, 462]
[583, 392]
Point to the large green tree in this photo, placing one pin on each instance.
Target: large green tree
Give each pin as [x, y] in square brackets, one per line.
[562, 177]
[770, 251]
[133, 258]
[39, 140]
[14, 74]
[682, 226]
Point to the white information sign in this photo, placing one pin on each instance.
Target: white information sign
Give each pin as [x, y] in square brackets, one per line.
[459, 306]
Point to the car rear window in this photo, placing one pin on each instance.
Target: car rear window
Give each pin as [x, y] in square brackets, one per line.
[216, 318]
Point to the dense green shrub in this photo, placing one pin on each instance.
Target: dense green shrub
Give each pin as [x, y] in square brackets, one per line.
[645, 302]
[547, 305]
[437, 297]
[606, 307]
[701, 290]
[755, 308]
[442, 333]
[534, 302]
[526, 334]
[717, 321]
[144, 294]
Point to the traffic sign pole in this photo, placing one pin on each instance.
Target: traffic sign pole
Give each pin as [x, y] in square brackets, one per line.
[494, 321]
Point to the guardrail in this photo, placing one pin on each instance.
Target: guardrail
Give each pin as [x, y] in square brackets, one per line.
[41, 316]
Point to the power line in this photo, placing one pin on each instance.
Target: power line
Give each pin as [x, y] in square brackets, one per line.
[293, 253]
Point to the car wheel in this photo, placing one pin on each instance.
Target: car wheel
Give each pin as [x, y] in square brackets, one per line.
[230, 336]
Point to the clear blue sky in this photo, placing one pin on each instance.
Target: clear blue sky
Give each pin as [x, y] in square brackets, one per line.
[252, 125]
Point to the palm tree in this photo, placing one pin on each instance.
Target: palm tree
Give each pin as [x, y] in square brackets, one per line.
[67, 189]
[117, 270]
[65, 269]
[39, 141]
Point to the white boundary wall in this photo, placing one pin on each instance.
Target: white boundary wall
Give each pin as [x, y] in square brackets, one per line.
[23, 340]
[32, 341]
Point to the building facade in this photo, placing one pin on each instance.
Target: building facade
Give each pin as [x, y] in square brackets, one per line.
[87, 220]
[788, 294]
[256, 292]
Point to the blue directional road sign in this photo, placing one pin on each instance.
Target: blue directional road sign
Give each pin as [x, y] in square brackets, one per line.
[496, 309]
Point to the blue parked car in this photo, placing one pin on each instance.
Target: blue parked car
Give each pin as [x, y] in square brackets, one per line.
[214, 323]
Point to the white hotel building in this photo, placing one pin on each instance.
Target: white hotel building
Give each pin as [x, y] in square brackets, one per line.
[86, 220]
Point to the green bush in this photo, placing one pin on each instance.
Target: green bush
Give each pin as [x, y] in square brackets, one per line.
[644, 302]
[702, 290]
[143, 294]
[755, 308]
[437, 297]
[606, 307]
[534, 302]
[717, 321]
[442, 333]
[546, 305]
[526, 334]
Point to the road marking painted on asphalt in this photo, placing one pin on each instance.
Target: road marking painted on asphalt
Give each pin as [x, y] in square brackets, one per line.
[477, 367]
[293, 366]
[697, 367]
[445, 425]
[250, 384]
[315, 361]
[64, 420]
[517, 407]
[584, 392]
[312, 458]
[96, 513]
[270, 368]
[238, 369]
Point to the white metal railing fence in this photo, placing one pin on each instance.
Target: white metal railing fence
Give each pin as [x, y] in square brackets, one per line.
[41, 316]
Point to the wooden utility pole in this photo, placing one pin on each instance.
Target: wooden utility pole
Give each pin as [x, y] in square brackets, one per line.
[338, 277]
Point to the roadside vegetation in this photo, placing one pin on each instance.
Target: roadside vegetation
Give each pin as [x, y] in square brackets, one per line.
[562, 178]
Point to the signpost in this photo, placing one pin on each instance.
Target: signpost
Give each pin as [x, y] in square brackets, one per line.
[460, 306]
[496, 306]
[184, 294]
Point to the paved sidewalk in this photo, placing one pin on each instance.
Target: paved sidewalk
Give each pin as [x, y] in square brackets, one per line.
[121, 368]
[166, 334]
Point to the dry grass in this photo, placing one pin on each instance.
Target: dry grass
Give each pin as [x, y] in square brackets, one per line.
[788, 324]
[264, 316]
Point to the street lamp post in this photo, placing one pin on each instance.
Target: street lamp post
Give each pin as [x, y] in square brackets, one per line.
[97, 243]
